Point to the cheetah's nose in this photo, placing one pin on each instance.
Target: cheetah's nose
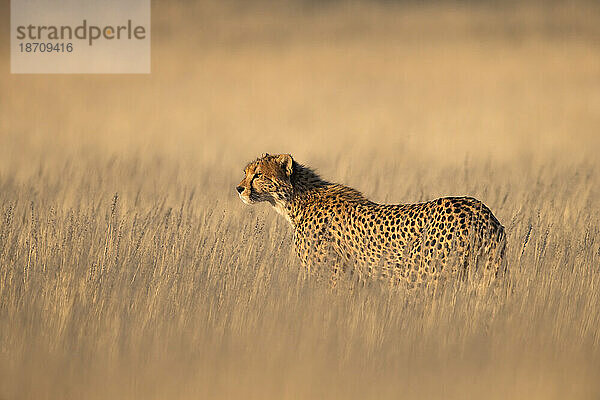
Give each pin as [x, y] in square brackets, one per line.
[240, 189]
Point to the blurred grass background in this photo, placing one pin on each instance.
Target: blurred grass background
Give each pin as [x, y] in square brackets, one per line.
[130, 269]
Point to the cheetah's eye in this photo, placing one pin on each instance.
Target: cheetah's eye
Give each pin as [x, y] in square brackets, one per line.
[258, 175]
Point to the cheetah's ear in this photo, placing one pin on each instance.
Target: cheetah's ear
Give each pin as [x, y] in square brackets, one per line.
[287, 162]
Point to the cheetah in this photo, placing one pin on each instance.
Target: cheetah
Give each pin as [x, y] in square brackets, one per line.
[340, 230]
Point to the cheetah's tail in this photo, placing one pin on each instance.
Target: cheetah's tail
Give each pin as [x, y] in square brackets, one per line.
[499, 259]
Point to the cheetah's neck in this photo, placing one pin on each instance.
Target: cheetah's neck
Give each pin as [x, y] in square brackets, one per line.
[307, 187]
[305, 184]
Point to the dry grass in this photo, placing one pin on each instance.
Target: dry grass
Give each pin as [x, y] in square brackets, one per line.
[129, 268]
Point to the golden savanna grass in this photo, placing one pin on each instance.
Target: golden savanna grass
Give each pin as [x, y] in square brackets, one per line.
[129, 269]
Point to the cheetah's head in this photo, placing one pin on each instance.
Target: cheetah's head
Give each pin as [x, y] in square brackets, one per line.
[267, 179]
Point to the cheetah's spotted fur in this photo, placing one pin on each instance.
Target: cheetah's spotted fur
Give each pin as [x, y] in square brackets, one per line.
[337, 227]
